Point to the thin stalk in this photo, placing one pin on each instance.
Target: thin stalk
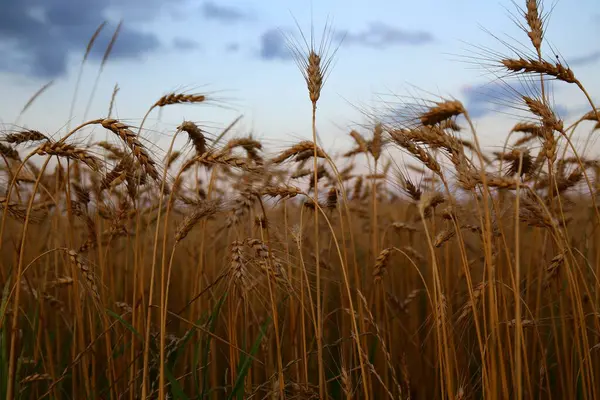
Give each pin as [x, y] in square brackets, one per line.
[273, 303]
[15, 315]
[319, 333]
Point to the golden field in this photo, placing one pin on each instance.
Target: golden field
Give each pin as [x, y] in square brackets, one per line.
[222, 269]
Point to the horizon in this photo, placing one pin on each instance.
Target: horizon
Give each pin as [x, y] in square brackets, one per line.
[245, 66]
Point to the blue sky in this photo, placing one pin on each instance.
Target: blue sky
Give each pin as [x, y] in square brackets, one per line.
[231, 50]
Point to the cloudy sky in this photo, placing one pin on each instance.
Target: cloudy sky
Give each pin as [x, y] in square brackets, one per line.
[233, 50]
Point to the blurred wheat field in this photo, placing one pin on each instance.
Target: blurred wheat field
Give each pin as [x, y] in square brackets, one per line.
[224, 269]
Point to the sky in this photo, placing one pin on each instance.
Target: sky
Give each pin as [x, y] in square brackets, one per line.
[389, 53]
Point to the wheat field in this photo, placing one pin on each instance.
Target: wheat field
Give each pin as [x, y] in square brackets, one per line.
[224, 269]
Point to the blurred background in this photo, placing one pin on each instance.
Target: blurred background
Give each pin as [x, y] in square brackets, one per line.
[388, 53]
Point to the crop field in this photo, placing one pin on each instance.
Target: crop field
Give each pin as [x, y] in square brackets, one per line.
[218, 267]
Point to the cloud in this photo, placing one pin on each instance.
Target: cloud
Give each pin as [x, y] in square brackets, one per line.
[499, 96]
[590, 58]
[380, 36]
[41, 34]
[561, 110]
[232, 47]
[222, 13]
[180, 43]
[273, 46]
[484, 99]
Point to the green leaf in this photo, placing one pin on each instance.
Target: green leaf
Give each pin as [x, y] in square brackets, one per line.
[211, 328]
[176, 389]
[246, 362]
[125, 323]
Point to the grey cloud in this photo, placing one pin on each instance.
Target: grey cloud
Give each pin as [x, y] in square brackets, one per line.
[586, 59]
[129, 45]
[222, 13]
[273, 46]
[486, 99]
[561, 110]
[43, 33]
[185, 44]
[380, 36]
[481, 100]
[232, 47]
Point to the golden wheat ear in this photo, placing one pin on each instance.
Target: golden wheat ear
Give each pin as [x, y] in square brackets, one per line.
[130, 139]
[25, 136]
[314, 61]
[69, 151]
[195, 135]
[9, 152]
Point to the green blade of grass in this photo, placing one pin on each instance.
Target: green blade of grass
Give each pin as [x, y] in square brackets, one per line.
[245, 363]
[212, 327]
[176, 388]
[125, 324]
